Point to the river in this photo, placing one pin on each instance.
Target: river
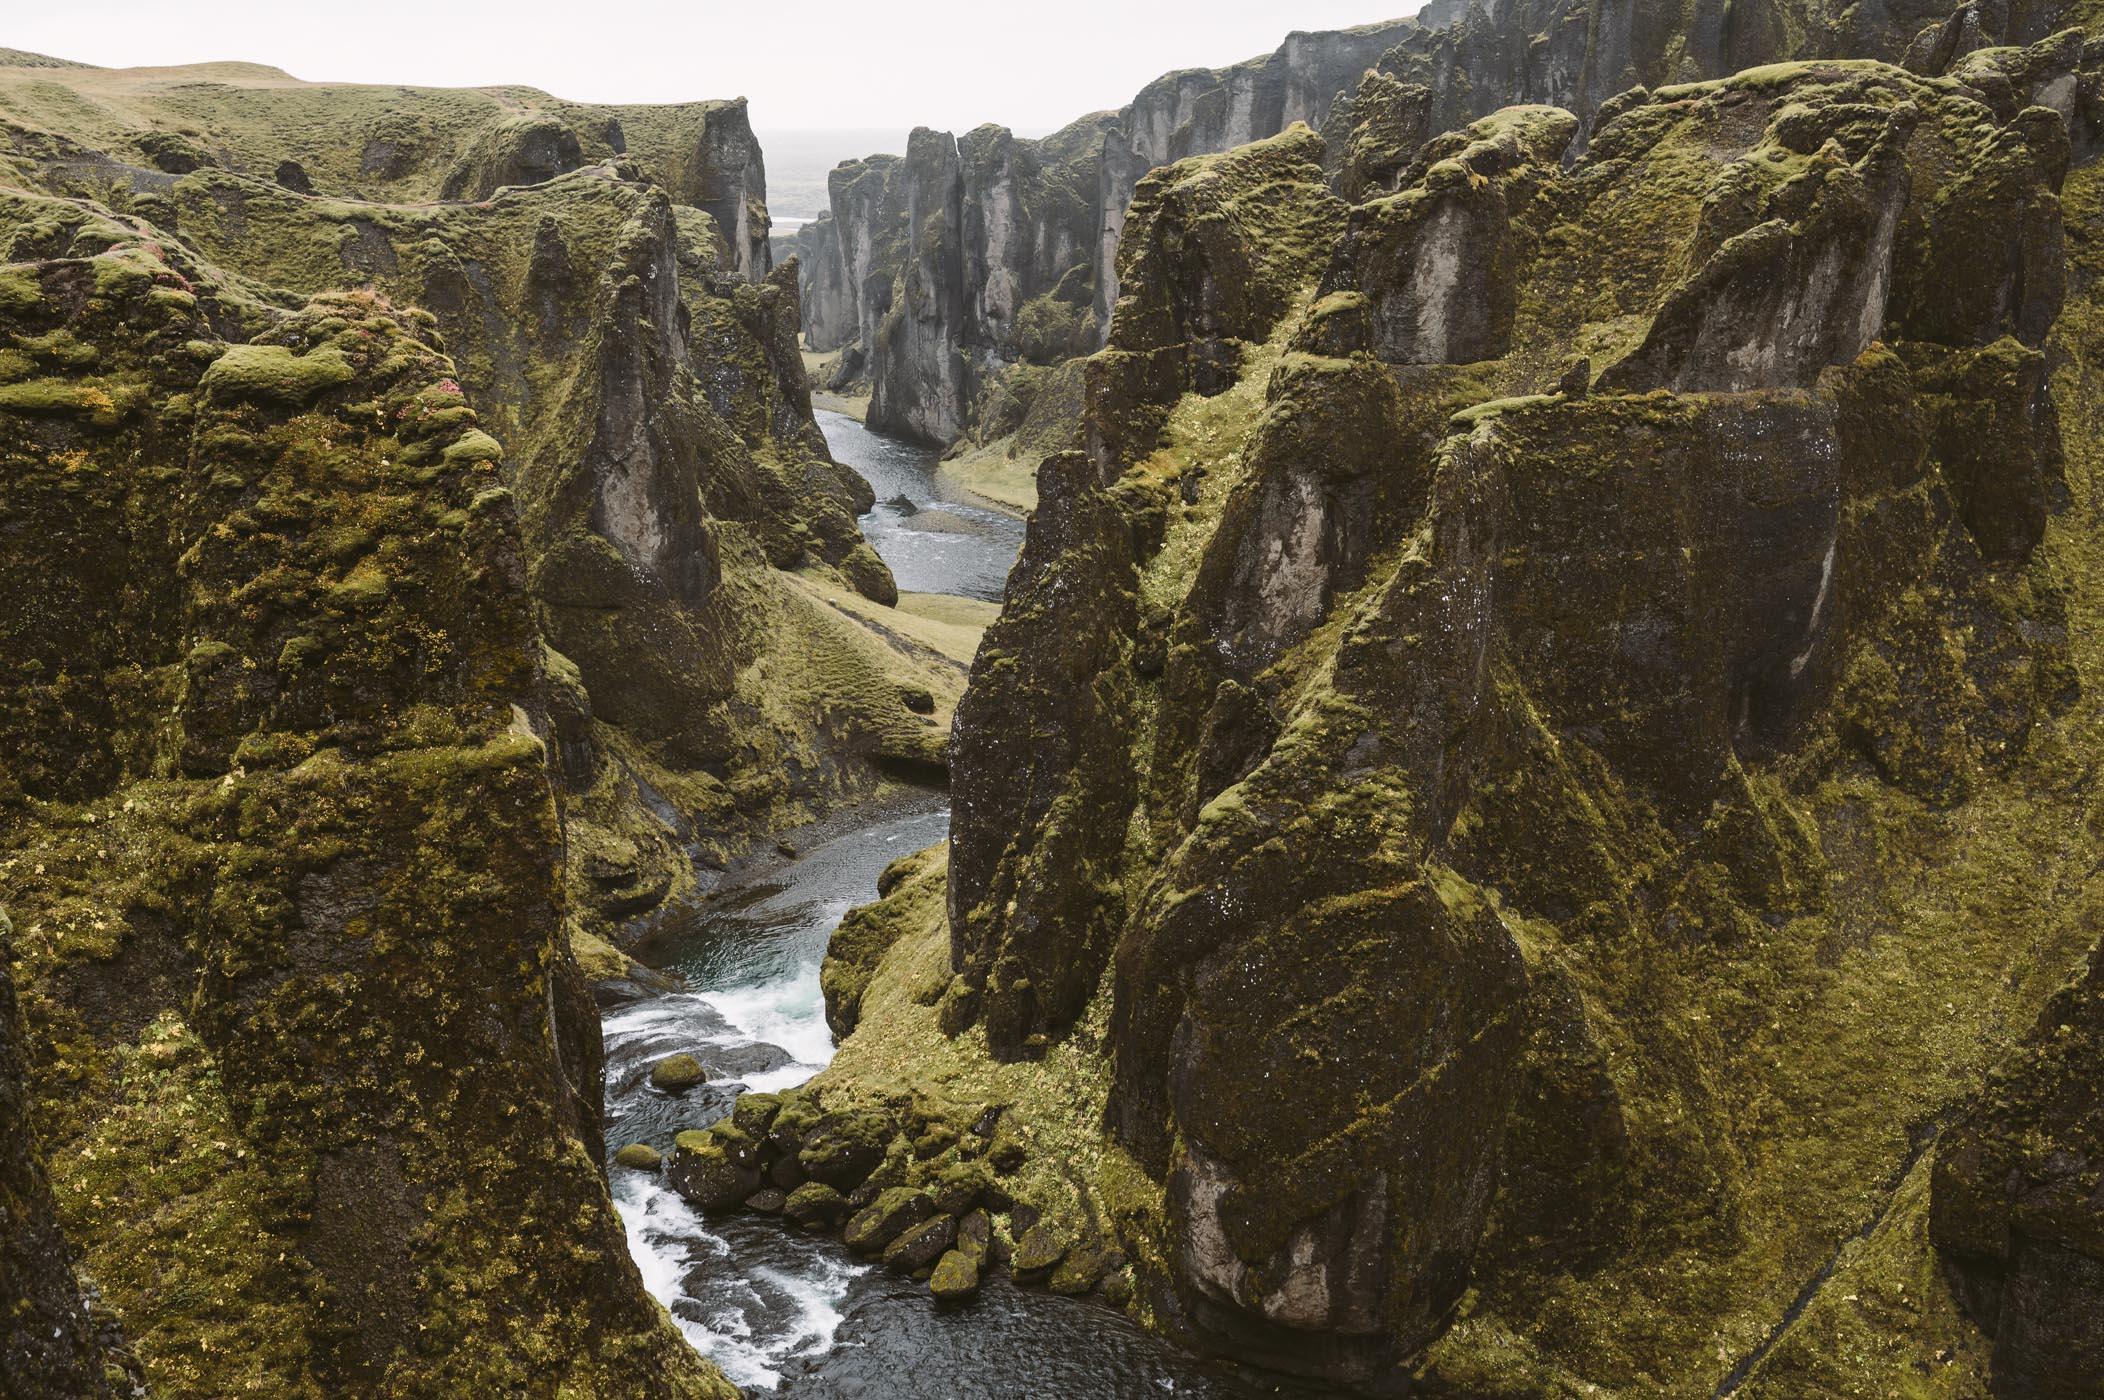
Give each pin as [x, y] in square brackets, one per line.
[795, 1315]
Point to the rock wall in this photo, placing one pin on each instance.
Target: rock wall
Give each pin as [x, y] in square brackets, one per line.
[1377, 93]
[1560, 701]
[937, 273]
[377, 669]
[658, 430]
[314, 1073]
[46, 1335]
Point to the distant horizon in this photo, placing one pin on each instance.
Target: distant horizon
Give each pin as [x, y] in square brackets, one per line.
[858, 67]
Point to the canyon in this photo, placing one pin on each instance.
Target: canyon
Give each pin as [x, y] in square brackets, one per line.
[1524, 822]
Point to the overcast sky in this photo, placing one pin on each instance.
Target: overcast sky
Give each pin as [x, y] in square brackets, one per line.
[804, 63]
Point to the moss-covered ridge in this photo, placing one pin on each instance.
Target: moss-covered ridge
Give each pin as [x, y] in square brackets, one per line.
[315, 1074]
[1608, 670]
[657, 427]
[947, 278]
[381, 143]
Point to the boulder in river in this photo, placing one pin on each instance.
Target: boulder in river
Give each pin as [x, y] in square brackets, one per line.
[919, 1247]
[759, 1058]
[639, 1156]
[815, 1205]
[716, 1170]
[892, 1214]
[956, 1276]
[676, 1074]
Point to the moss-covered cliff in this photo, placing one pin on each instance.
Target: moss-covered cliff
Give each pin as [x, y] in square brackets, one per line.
[948, 277]
[1574, 851]
[416, 579]
[652, 407]
[315, 1075]
[388, 144]
[1008, 257]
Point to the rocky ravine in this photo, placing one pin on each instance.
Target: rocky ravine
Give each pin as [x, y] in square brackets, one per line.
[1529, 824]
[422, 564]
[953, 280]
[937, 272]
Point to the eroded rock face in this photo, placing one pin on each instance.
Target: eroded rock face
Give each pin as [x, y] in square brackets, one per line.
[390, 144]
[1057, 209]
[51, 1348]
[1214, 253]
[391, 653]
[2015, 1207]
[659, 435]
[937, 273]
[307, 1035]
[1518, 630]
[1438, 261]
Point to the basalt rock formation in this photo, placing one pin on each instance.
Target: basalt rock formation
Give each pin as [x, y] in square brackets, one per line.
[1528, 826]
[945, 277]
[418, 577]
[654, 415]
[937, 273]
[314, 1072]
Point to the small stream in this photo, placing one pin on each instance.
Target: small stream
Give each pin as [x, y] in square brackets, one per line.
[796, 1315]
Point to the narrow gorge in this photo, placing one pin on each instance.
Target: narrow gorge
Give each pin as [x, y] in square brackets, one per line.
[1419, 717]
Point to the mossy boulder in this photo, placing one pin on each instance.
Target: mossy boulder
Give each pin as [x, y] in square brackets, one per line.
[894, 1211]
[754, 1114]
[639, 1156]
[956, 1277]
[1037, 1252]
[815, 1204]
[919, 1246]
[716, 1169]
[960, 1186]
[677, 1073]
[843, 1148]
[1082, 1268]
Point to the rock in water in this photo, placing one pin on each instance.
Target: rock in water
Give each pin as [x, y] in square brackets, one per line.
[815, 1204]
[919, 1247]
[894, 1212]
[677, 1073]
[639, 1156]
[956, 1277]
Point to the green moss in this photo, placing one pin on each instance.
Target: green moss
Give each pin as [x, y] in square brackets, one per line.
[472, 447]
[103, 403]
[276, 374]
[676, 1073]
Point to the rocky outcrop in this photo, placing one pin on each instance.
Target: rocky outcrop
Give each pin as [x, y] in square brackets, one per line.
[1058, 207]
[1567, 645]
[938, 273]
[659, 434]
[385, 144]
[315, 1075]
[388, 656]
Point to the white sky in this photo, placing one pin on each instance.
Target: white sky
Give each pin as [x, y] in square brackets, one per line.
[804, 63]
